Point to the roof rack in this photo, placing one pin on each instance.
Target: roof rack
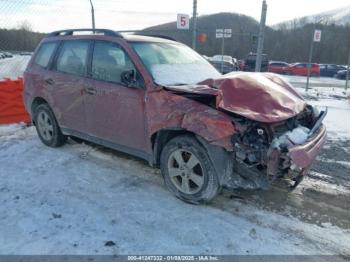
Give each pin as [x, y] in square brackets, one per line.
[106, 32]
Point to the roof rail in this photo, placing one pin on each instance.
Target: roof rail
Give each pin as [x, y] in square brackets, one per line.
[106, 32]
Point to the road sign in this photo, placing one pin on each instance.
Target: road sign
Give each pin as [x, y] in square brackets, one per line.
[317, 35]
[219, 33]
[227, 33]
[223, 33]
[183, 21]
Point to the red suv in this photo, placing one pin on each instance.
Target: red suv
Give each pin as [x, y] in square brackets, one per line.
[300, 69]
[159, 100]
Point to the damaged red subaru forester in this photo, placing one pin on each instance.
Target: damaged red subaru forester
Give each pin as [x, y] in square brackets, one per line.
[159, 100]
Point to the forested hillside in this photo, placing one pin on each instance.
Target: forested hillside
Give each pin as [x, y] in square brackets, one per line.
[19, 39]
[290, 43]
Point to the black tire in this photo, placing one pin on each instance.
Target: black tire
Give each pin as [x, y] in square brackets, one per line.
[210, 186]
[53, 136]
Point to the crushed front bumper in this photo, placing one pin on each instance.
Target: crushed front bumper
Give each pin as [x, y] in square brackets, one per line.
[304, 155]
[297, 159]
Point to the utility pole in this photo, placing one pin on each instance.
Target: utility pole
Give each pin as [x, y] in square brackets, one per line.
[347, 72]
[92, 15]
[261, 37]
[194, 25]
[222, 52]
[310, 59]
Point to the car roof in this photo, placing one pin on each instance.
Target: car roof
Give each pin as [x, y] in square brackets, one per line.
[98, 33]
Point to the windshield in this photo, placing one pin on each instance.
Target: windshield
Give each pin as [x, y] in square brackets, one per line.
[174, 64]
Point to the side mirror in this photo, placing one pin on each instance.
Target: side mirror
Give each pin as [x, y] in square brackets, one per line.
[128, 78]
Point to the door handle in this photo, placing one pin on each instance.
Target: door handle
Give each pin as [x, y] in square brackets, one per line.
[49, 81]
[90, 90]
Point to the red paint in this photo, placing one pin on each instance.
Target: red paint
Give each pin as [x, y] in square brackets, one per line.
[11, 102]
[132, 116]
[301, 69]
[277, 68]
[304, 155]
[261, 97]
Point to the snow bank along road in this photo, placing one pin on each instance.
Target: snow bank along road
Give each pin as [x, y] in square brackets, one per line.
[13, 67]
[75, 199]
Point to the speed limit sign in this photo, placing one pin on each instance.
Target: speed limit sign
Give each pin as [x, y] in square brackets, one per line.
[183, 21]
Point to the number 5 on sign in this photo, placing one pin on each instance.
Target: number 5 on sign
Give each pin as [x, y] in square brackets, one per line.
[183, 21]
[317, 36]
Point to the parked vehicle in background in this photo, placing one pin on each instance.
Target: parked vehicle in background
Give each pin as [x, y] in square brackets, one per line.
[330, 70]
[25, 53]
[206, 57]
[2, 55]
[7, 54]
[241, 65]
[250, 61]
[159, 100]
[278, 67]
[342, 74]
[224, 63]
[301, 69]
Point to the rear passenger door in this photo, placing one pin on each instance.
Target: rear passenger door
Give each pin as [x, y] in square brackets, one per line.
[66, 83]
[115, 112]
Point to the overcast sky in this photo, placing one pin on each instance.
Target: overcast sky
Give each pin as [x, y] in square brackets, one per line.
[49, 15]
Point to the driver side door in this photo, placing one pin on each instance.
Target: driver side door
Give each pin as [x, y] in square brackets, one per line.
[115, 113]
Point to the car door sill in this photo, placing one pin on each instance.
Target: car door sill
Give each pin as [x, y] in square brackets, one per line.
[109, 144]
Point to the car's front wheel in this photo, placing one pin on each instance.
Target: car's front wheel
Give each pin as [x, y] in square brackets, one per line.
[188, 171]
[47, 128]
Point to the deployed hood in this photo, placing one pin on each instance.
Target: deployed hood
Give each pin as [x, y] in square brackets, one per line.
[262, 97]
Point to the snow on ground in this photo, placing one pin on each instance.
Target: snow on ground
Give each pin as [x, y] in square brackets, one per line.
[300, 81]
[338, 116]
[13, 67]
[74, 199]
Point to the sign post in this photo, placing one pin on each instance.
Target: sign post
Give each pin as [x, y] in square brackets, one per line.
[223, 33]
[194, 25]
[347, 73]
[261, 37]
[316, 37]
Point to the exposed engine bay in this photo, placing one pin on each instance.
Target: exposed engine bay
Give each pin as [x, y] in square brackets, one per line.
[264, 148]
[277, 134]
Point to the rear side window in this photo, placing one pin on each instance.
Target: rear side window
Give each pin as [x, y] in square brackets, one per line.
[73, 58]
[45, 53]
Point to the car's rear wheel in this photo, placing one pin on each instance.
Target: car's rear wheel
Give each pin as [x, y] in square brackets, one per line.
[47, 127]
[188, 171]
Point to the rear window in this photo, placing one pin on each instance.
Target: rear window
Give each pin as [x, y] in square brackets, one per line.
[73, 58]
[45, 53]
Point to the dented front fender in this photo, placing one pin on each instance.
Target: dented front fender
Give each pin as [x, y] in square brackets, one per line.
[167, 110]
